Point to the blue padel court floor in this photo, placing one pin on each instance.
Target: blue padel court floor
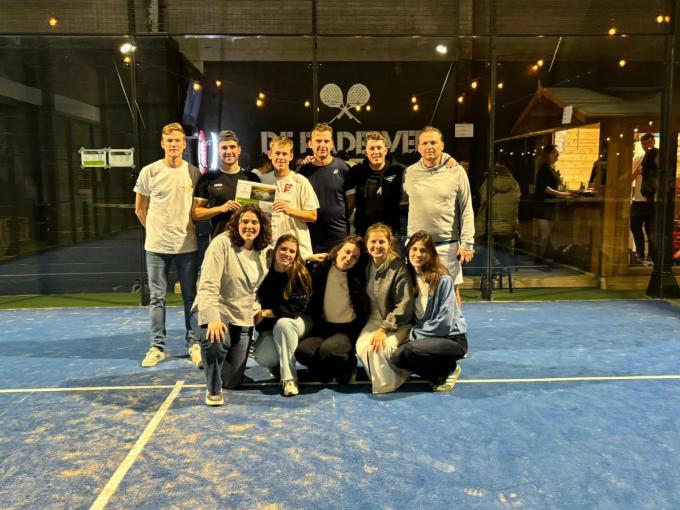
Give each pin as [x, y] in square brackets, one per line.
[566, 405]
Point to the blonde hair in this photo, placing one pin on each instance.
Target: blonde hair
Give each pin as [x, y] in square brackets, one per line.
[321, 127]
[281, 140]
[175, 126]
[385, 229]
[375, 135]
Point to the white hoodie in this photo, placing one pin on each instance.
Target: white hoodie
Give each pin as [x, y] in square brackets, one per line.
[440, 202]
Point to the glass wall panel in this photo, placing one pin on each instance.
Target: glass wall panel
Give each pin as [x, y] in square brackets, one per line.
[570, 115]
[65, 227]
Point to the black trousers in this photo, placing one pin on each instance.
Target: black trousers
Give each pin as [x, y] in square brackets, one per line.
[641, 216]
[329, 352]
[431, 358]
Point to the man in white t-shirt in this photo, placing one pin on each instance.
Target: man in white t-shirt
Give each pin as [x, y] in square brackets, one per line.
[295, 203]
[164, 196]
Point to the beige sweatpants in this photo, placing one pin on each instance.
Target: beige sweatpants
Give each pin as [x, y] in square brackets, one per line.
[385, 377]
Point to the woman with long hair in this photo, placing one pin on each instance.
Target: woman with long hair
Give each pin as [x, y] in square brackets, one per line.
[284, 295]
[339, 311]
[234, 266]
[390, 292]
[438, 338]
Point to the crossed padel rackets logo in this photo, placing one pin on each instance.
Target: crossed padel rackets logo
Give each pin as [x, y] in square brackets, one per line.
[357, 95]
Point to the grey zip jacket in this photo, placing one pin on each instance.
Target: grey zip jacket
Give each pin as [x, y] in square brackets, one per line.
[393, 293]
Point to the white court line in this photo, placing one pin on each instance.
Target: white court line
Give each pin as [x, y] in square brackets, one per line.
[316, 383]
[112, 485]
[573, 379]
[85, 388]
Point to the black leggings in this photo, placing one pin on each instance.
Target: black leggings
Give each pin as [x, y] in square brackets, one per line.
[431, 358]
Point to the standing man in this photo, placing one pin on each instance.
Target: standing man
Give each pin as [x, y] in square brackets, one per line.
[215, 193]
[163, 202]
[329, 177]
[378, 181]
[295, 203]
[642, 207]
[440, 203]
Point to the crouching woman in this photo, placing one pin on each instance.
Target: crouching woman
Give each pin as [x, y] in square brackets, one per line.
[284, 296]
[438, 338]
[234, 266]
[390, 292]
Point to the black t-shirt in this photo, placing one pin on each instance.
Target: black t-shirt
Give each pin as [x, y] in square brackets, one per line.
[330, 184]
[218, 188]
[377, 195]
[546, 176]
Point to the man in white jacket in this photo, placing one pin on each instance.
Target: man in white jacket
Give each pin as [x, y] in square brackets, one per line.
[440, 203]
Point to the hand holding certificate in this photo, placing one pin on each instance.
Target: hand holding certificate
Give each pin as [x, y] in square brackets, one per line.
[262, 195]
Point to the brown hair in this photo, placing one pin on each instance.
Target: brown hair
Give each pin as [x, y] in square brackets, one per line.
[381, 227]
[297, 270]
[354, 239]
[433, 269]
[263, 238]
[375, 135]
[430, 129]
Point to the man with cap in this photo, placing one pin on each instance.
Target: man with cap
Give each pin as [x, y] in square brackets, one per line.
[215, 193]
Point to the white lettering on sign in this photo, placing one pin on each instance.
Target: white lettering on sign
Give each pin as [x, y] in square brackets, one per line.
[352, 142]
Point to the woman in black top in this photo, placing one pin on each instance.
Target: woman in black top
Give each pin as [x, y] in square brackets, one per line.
[284, 296]
[547, 187]
[339, 311]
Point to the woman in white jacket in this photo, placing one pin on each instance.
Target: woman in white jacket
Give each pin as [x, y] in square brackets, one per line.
[234, 266]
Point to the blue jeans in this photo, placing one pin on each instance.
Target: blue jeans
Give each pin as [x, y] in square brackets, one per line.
[224, 362]
[158, 268]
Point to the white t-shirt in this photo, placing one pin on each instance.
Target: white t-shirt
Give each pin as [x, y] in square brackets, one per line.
[169, 227]
[420, 302]
[297, 191]
[637, 182]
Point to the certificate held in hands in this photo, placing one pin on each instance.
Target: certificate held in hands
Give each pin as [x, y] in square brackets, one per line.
[262, 195]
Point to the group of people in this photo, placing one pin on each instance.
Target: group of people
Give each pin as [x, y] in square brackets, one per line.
[315, 294]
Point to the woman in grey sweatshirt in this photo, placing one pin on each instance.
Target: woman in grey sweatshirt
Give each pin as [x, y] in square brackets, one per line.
[234, 266]
[389, 289]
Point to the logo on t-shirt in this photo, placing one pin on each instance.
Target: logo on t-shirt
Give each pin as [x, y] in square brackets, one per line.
[390, 178]
[335, 172]
[287, 187]
[217, 185]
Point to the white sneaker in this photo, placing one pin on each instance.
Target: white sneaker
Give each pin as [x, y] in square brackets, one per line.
[290, 388]
[449, 382]
[153, 357]
[214, 400]
[195, 355]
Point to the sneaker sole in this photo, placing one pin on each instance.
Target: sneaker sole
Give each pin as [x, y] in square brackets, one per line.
[214, 403]
[445, 388]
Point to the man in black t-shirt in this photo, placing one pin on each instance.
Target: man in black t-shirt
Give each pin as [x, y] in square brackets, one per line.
[329, 177]
[215, 191]
[377, 180]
